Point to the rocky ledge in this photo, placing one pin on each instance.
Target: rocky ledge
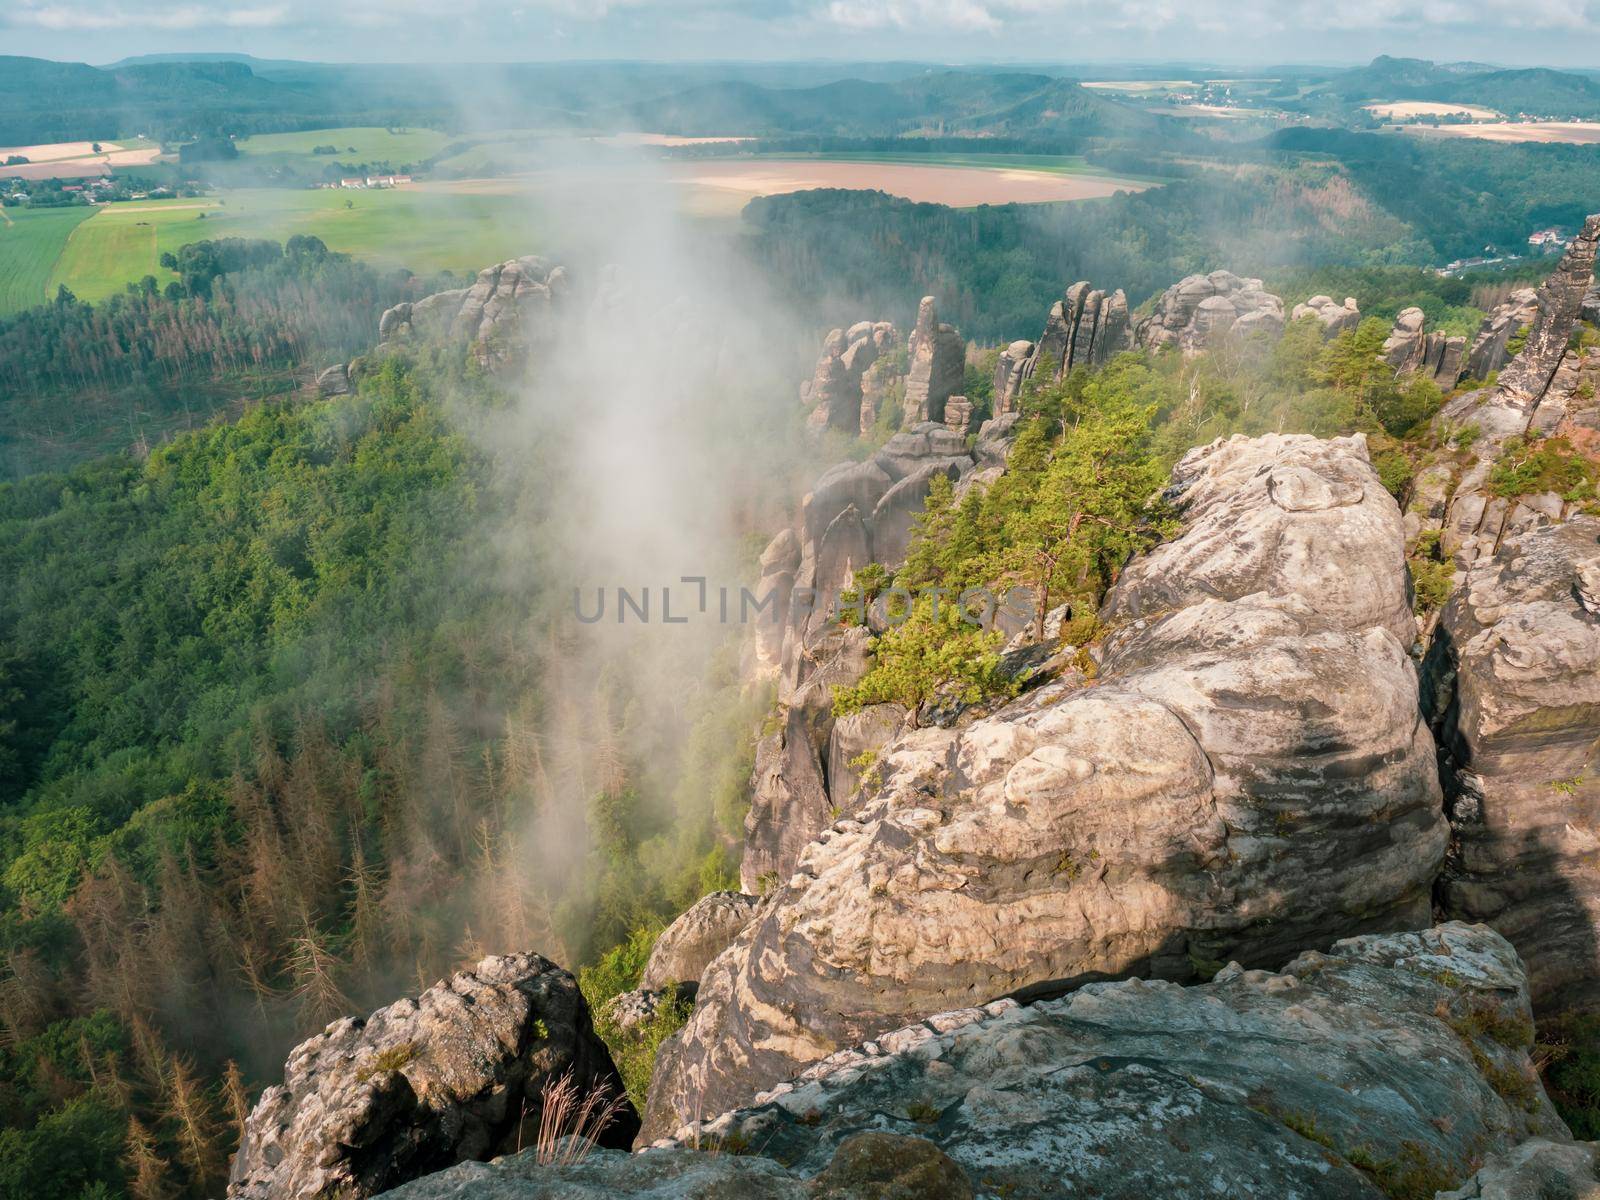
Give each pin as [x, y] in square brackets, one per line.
[1391, 1065]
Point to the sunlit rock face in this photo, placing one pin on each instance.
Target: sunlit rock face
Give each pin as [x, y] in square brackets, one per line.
[1247, 776]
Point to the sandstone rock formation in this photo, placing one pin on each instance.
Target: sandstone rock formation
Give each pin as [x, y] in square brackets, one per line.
[855, 514]
[1010, 373]
[1411, 350]
[494, 317]
[1196, 311]
[1336, 318]
[704, 931]
[1390, 1061]
[1085, 327]
[453, 1075]
[1547, 388]
[335, 381]
[834, 392]
[868, 1166]
[938, 363]
[1248, 776]
[1540, 1167]
[1490, 343]
[1514, 685]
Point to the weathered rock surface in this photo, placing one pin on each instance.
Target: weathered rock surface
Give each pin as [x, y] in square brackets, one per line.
[1490, 343]
[686, 946]
[496, 317]
[938, 365]
[1248, 776]
[334, 381]
[834, 392]
[1193, 313]
[1335, 317]
[1411, 350]
[1085, 327]
[1538, 1169]
[1401, 1058]
[1546, 388]
[450, 1076]
[1010, 373]
[1514, 685]
[869, 1166]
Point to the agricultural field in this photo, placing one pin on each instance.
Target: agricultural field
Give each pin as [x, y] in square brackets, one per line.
[357, 144]
[76, 160]
[31, 240]
[1576, 133]
[403, 227]
[1407, 110]
[961, 184]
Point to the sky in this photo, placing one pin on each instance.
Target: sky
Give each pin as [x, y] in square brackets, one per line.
[1511, 32]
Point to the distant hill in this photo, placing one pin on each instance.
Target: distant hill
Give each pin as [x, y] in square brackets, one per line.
[947, 102]
[1539, 91]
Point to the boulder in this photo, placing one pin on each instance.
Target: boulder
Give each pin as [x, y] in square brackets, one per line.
[868, 1166]
[1389, 1065]
[696, 937]
[335, 381]
[1248, 776]
[453, 1075]
[1540, 1168]
[1513, 685]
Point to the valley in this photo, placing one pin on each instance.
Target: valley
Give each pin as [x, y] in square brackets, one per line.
[800, 609]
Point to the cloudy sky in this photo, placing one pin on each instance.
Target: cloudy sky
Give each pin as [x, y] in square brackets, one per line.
[1553, 32]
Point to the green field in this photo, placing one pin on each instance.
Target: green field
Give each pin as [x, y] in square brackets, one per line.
[355, 145]
[30, 242]
[423, 230]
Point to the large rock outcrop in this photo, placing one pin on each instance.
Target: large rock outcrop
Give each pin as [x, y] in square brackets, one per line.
[1539, 1169]
[422, 1084]
[938, 365]
[1391, 1065]
[1336, 318]
[1514, 684]
[1411, 350]
[855, 514]
[495, 318]
[835, 391]
[1248, 776]
[1085, 327]
[1491, 343]
[1547, 388]
[1193, 313]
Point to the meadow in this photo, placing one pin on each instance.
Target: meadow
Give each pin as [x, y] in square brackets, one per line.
[31, 240]
[424, 231]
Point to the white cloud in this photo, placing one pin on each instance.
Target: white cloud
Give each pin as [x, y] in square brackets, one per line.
[64, 18]
[1251, 18]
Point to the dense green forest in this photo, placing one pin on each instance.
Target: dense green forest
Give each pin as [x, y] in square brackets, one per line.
[281, 738]
[246, 319]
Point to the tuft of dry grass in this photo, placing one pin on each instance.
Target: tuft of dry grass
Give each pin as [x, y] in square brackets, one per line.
[571, 1120]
